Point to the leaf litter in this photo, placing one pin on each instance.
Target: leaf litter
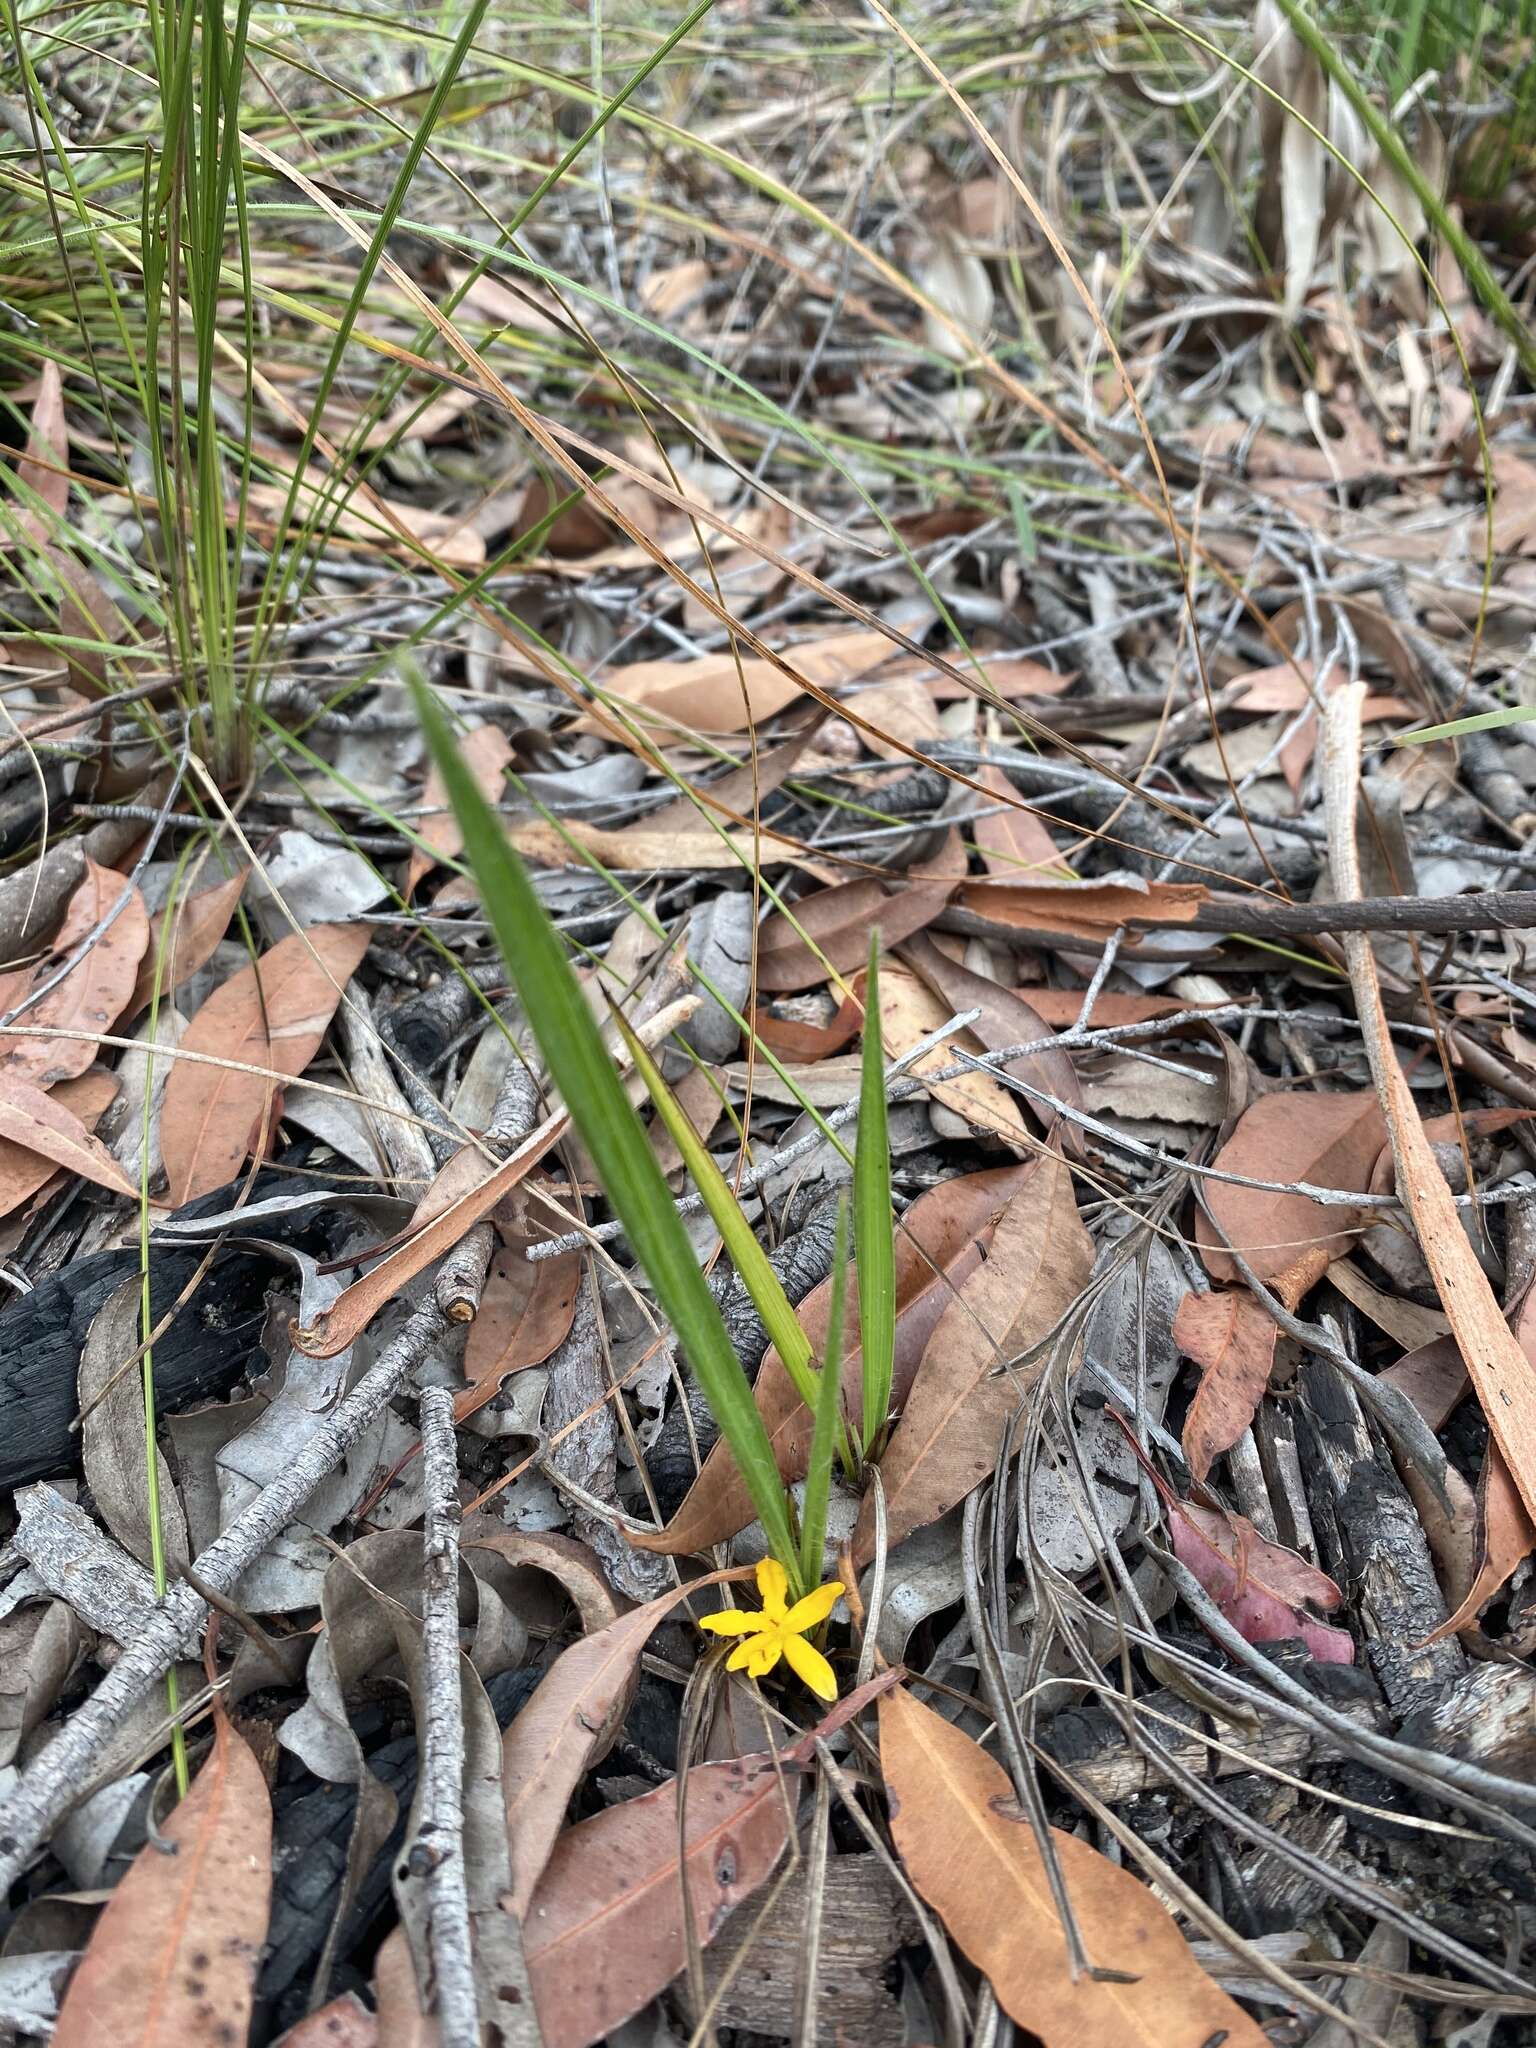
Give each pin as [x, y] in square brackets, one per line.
[1202, 1518]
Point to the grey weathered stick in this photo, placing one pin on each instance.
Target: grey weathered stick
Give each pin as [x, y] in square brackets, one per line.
[1491, 910]
[53, 1780]
[442, 1738]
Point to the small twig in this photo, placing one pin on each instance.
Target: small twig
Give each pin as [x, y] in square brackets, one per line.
[53, 1780]
[441, 1828]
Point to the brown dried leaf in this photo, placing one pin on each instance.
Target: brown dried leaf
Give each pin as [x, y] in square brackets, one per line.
[371, 524]
[1007, 1018]
[173, 1957]
[1505, 1538]
[201, 922]
[573, 1716]
[939, 1243]
[1085, 909]
[972, 1854]
[1231, 1337]
[526, 1311]
[40, 1133]
[1059, 1008]
[647, 846]
[909, 1011]
[1330, 1141]
[712, 695]
[807, 1043]
[1261, 1587]
[92, 995]
[605, 1930]
[830, 930]
[356, 1306]
[44, 467]
[273, 1014]
[953, 1422]
[1503, 1376]
[487, 752]
[1015, 844]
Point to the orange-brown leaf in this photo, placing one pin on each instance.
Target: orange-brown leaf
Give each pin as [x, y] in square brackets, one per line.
[1330, 1141]
[91, 996]
[952, 1425]
[1231, 1337]
[939, 1243]
[1084, 909]
[200, 922]
[526, 1311]
[972, 1854]
[605, 1932]
[487, 753]
[830, 930]
[41, 1133]
[173, 1958]
[272, 1014]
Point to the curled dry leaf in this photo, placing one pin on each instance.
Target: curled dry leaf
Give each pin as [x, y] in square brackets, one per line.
[1007, 1018]
[356, 1306]
[604, 1933]
[39, 1134]
[1505, 1536]
[973, 1855]
[274, 1015]
[1258, 1586]
[1330, 1141]
[939, 1243]
[952, 1425]
[173, 1958]
[1502, 1374]
[199, 923]
[91, 996]
[806, 1043]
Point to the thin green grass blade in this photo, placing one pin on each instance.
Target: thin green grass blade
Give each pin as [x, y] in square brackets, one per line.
[589, 1083]
[874, 1235]
[740, 1240]
[824, 1432]
[1480, 721]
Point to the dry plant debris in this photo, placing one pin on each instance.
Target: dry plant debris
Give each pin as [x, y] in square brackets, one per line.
[1013, 484]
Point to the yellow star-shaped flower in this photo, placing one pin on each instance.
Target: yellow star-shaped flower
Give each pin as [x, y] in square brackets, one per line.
[779, 1631]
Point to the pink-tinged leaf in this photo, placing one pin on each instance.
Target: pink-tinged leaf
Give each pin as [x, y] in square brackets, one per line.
[1257, 1584]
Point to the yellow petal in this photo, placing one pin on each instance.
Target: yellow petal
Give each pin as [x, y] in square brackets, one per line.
[733, 1621]
[773, 1586]
[742, 1655]
[814, 1608]
[767, 1650]
[810, 1665]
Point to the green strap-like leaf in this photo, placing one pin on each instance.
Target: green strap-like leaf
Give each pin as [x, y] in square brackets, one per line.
[874, 1236]
[818, 1472]
[584, 1073]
